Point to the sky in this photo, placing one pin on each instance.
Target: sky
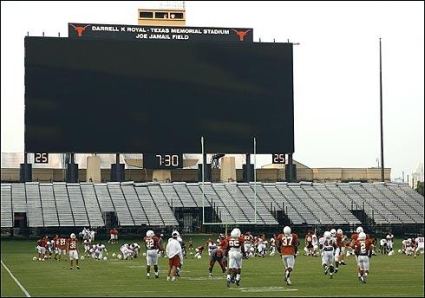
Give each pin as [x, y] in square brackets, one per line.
[336, 69]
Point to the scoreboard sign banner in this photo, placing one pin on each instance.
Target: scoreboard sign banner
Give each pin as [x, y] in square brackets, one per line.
[134, 32]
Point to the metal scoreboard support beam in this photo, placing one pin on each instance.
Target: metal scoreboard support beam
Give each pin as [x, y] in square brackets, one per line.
[203, 189]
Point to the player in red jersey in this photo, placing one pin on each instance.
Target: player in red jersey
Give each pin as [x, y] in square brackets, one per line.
[152, 249]
[235, 252]
[114, 235]
[308, 244]
[60, 247]
[363, 250]
[41, 248]
[72, 250]
[288, 246]
[222, 244]
[340, 250]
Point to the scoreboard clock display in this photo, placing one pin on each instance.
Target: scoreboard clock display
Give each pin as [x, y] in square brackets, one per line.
[278, 158]
[163, 161]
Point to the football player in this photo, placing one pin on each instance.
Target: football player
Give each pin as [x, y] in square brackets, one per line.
[261, 247]
[72, 250]
[126, 251]
[87, 247]
[223, 245]
[199, 250]
[248, 244]
[174, 253]
[41, 248]
[288, 246]
[308, 244]
[340, 249]
[389, 239]
[135, 247]
[328, 249]
[114, 235]
[217, 255]
[363, 250]
[419, 245]
[235, 247]
[60, 247]
[211, 246]
[152, 248]
[98, 252]
[383, 246]
[272, 246]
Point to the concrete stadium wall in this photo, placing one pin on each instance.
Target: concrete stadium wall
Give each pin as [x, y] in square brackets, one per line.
[191, 175]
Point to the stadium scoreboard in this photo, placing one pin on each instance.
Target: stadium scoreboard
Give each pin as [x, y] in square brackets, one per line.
[112, 95]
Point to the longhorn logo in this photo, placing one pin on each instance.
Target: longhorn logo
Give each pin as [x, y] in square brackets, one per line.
[79, 29]
[241, 34]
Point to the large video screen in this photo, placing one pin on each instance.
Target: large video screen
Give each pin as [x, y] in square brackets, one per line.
[109, 96]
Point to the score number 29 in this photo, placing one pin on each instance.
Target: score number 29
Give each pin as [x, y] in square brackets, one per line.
[278, 158]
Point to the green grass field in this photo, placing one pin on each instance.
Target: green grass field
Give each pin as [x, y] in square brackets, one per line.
[396, 275]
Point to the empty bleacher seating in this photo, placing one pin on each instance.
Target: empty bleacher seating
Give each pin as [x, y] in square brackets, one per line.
[6, 206]
[154, 204]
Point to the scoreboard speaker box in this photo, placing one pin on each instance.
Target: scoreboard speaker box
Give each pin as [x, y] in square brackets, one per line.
[117, 172]
[248, 172]
[72, 173]
[207, 172]
[291, 173]
[25, 172]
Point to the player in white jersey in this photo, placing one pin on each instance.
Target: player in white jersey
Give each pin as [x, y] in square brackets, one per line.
[92, 234]
[135, 248]
[92, 251]
[126, 252]
[248, 244]
[272, 246]
[261, 247]
[211, 246]
[408, 247]
[328, 247]
[86, 247]
[100, 249]
[383, 246]
[419, 245]
[333, 234]
[50, 248]
[390, 241]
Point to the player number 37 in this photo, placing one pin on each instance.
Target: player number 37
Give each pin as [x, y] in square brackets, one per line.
[286, 241]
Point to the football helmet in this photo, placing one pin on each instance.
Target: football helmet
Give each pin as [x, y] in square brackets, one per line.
[286, 230]
[359, 230]
[72, 236]
[150, 233]
[327, 234]
[333, 232]
[236, 233]
[362, 236]
[175, 234]
[339, 232]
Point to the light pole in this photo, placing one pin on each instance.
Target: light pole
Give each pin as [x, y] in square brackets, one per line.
[381, 113]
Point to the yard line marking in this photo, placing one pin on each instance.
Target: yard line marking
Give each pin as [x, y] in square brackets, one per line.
[17, 282]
